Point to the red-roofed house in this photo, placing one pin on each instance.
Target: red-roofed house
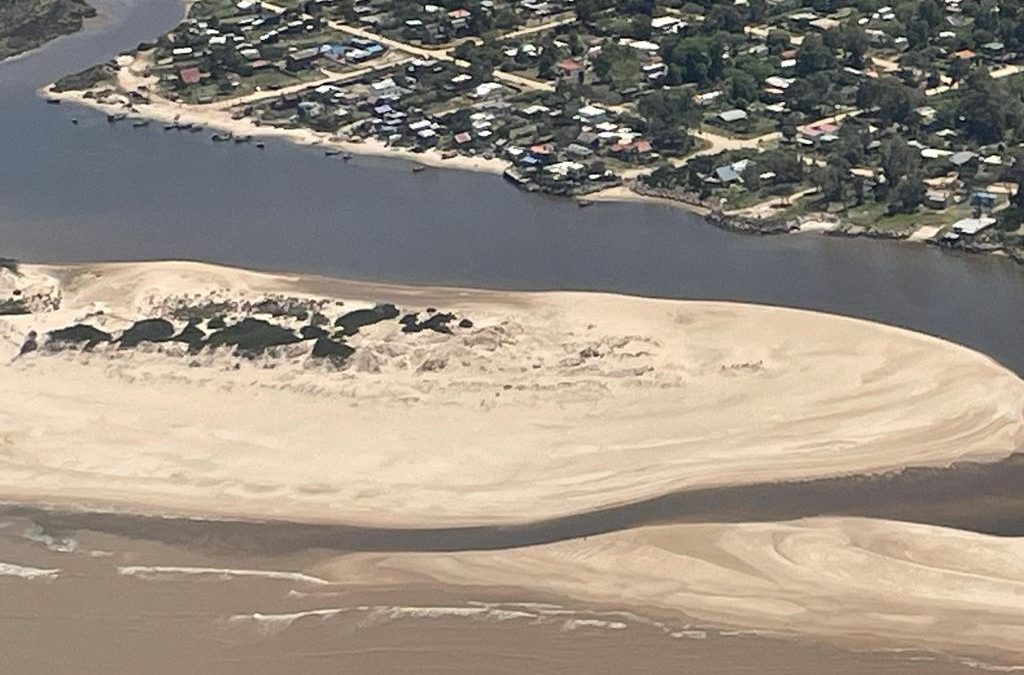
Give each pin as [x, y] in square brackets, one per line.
[569, 68]
[190, 75]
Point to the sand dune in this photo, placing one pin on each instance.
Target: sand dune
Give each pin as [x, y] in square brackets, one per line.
[860, 580]
[551, 404]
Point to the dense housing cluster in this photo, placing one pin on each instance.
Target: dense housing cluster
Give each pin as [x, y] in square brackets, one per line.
[857, 116]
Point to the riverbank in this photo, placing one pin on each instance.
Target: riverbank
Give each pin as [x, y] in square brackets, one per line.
[430, 407]
[133, 97]
[29, 24]
[129, 96]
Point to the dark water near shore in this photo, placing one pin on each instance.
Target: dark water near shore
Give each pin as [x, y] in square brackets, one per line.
[101, 192]
[980, 497]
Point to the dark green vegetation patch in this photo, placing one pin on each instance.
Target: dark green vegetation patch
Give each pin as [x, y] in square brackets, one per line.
[147, 330]
[78, 334]
[27, 24]
[252, 336]
[337, 352]
[351, 323]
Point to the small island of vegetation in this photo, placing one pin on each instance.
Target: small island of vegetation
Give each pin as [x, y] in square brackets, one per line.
[27, 24]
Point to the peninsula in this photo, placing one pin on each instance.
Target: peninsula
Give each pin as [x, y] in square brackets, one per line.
[902, 123]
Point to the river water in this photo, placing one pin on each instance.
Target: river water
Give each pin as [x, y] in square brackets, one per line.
[101, 192]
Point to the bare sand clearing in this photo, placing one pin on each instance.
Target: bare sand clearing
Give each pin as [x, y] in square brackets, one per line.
[867, 581]
[551, 404]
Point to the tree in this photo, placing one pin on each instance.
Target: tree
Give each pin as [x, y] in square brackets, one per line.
[546, 62]
[988, 109]
[907, 196]
[617, 65]
[833, 181]
[814, 56]
[894, 100]
[898, 159]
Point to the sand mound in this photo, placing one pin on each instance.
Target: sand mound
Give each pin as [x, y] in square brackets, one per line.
[549, 404]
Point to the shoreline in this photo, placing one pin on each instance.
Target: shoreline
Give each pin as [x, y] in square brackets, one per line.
[216, 119]
[636, 365]
[220, 120]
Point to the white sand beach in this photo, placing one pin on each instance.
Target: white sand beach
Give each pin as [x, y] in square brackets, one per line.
[550, 404]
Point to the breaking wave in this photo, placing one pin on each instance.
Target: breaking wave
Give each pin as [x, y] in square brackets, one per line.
[11, 570]
[161, 572]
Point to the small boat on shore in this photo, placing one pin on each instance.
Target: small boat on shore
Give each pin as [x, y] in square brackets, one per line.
[221, 138]
[53, 101]
[331, 153]
[418, 168]
[193, 128]
[261, 145]
[243, 139]
[584, 203]
[116, 117]
[347, 156]
[138, 124]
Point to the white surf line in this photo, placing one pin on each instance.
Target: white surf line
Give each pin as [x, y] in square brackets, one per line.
[12, 570]
[157, 571]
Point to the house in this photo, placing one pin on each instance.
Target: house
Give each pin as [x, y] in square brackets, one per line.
[588, 139]
[707, 97]
[459, 18]
[637, 150]
[486, 89]
[579, 150]
[973, 225]
[568, 68]
[386, 88]
[190, 75]
[592, 114]
[667, 24]
[983, 200]
[936, 199]
[727, 174]
[734, 115]
[562, 170]
[302, 59]
[962, 158]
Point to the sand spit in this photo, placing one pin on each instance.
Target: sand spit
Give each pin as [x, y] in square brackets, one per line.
[859, 580]
[547, 404]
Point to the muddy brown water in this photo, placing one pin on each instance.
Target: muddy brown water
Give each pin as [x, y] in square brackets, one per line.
[93, 617]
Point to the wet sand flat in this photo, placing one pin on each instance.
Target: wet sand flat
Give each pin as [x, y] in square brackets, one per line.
[92, 619]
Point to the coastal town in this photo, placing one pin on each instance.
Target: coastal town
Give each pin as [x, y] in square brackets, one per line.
[895, 121]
